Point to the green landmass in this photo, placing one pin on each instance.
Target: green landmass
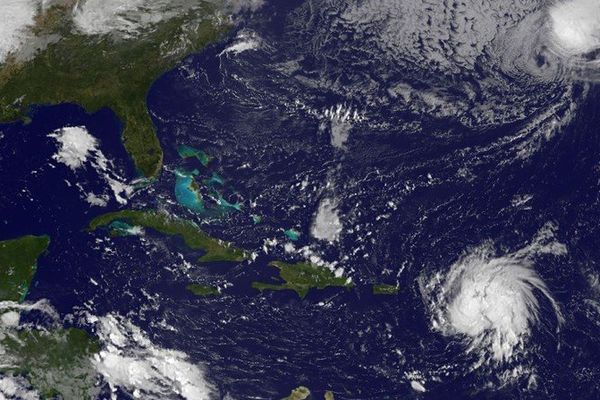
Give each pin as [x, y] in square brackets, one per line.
[300, 393]
[56, 363]
[301, 277]
[194, 238]
[384, 289]
[18, 263]
[303, 393]
[202, 290]
[103, 71]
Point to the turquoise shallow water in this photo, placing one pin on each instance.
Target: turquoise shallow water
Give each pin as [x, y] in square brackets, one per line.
[292, 234]
[188, 191]
[227, 206]
[185, 192]
[214, 180]
[121, 228]
[186, 151]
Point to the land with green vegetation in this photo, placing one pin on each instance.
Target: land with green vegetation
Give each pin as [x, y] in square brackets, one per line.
[192, 235]
[303, 393]
[384, 289]
[203, 290]
[18, 263]
[57, 363]
[300, 393]
[301, 277]
[102, 71]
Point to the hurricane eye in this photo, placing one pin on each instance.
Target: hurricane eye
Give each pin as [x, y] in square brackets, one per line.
[540, 60]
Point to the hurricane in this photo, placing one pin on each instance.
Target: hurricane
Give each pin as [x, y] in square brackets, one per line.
[557, 42]
[493, 301]
[576, 25]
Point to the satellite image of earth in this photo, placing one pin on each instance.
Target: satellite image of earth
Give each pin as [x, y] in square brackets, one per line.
[299, 199]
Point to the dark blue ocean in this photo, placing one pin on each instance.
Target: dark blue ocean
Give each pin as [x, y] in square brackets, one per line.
[243, 111]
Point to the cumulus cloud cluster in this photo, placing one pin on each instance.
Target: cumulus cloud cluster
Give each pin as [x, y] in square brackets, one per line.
[442, 35]
[327, 224]
[14, 387]
[130, 361]
[77, 148]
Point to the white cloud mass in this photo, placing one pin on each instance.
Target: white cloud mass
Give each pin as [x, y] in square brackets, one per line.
[492, 301]
[133, 363]
[576, 25]
[15, 18]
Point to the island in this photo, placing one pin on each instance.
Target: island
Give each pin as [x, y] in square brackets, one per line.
[203, 290]
[18, 263]
[301, 277]
[192, 235]
[292, 234]
[303, 393]
[99, 71]
[186, 151]
[384, 289]
[56, 362]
